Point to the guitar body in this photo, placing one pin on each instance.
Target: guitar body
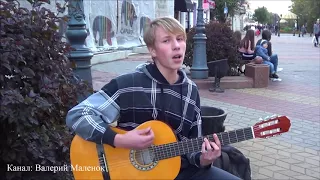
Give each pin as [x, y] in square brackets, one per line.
[120, 162]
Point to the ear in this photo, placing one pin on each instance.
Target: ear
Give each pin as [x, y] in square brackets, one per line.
[152, 51]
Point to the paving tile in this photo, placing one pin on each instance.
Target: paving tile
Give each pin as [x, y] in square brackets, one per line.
[268, 159]
[298, 169]
[306, 177]
[290, 173]
[315, 161]
[315, 169]
[277, 175]
[255, 155]
[282, 164]
[260, 176]
[306, 165]
[291, 161]
[271, 149]
[260, 163]
[304, 154]
[274, 168]
[260, 145]
[266, 172]
[298, 147]
[317, 158]
[264, 153]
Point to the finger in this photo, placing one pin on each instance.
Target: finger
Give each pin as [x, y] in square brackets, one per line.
[216, 140]
[203, 148]
[143, 131]
[147, 138]
[215, 146]
[151, 133]
[208, 146]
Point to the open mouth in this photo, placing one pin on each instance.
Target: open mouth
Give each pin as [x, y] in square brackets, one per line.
[177, 56]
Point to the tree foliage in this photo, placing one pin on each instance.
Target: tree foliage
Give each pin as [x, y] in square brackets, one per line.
[218, 12]
[37, 88]
[307, 11]
[261, 15]
[271, 18]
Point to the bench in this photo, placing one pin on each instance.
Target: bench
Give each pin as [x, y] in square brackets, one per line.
[259, 73]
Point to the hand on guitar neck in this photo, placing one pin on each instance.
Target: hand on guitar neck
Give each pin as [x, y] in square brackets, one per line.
[210, 151]
[135, 139]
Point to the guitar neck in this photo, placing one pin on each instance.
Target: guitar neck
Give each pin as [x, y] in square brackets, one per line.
[166, 151]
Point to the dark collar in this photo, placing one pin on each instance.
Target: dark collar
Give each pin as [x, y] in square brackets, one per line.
[156, 74]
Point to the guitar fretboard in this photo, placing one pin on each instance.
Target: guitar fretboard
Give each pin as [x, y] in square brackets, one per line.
[166, 151]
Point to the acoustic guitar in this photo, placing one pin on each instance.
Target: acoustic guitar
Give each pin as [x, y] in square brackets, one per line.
[160, 161]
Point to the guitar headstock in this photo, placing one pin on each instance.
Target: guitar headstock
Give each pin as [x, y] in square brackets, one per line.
[271, 126]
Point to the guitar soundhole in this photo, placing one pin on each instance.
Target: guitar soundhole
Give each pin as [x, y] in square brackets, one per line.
[143, 159]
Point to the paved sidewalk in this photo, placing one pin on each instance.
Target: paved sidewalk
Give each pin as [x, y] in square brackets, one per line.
[293, 155]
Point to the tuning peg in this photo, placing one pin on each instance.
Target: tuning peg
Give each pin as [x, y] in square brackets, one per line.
[266, 118]
[260, 119]
[274, 116]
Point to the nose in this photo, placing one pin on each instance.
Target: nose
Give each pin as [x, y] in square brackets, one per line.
[175, 44]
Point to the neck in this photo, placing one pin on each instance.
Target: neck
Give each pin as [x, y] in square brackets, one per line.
[171, 76]
[165, 151]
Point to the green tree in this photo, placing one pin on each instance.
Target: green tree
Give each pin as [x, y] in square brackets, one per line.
[218, 12]
[307, 11]
[270, 18]
[261, 15]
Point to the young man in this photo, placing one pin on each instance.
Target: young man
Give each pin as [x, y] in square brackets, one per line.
[262, 51]
[159, 90]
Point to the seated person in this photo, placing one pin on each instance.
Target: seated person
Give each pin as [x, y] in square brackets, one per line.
[261, 50]
[246, 49]
[266, 35]
[159, 90]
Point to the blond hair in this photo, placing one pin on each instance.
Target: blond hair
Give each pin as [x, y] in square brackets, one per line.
[169, 24]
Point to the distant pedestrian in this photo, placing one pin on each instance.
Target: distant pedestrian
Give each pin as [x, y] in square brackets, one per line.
[316, 32]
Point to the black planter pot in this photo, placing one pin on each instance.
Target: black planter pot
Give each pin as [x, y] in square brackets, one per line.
[212, 120]
[218, 69]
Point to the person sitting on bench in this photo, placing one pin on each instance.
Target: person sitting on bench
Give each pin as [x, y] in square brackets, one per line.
[246, 50]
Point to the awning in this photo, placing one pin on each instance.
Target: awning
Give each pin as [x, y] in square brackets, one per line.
[183, 5]
[289, 15]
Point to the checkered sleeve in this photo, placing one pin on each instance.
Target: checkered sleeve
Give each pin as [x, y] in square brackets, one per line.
[195, 131]
[91, 117]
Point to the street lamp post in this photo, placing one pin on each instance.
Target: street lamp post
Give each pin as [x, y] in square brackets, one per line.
[199, 69]
[76, 35]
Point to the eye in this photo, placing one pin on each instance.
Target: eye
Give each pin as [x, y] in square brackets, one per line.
[180, 38]
[165, 41]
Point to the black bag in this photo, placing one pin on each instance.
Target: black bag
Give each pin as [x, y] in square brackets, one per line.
[234, 162]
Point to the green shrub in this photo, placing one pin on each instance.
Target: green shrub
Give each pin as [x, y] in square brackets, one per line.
[37, 88]
[220, 44]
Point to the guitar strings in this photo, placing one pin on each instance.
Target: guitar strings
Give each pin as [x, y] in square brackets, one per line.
[170, 150]
[158, 154]
[165, 150]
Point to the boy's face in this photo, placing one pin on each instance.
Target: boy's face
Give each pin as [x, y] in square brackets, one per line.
[265, 45]
[169, 49]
